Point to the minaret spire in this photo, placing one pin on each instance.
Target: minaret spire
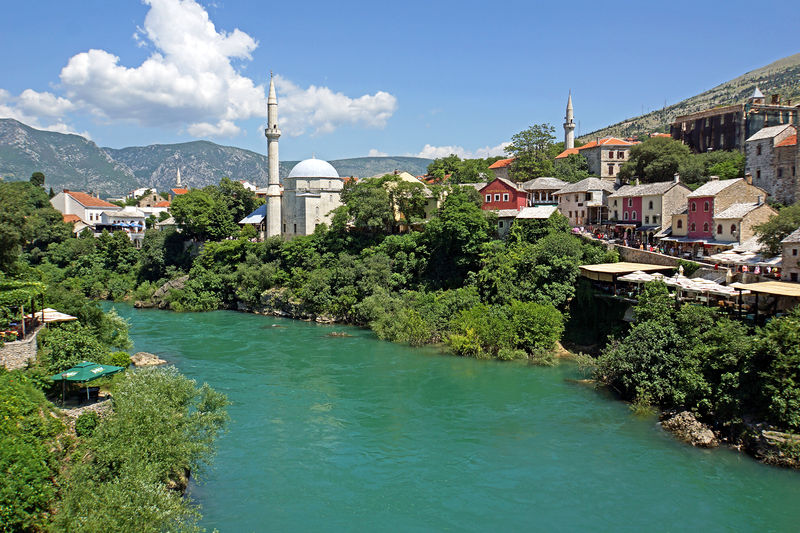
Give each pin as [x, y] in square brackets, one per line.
[569, 125]
[273, 188]
[178, 178]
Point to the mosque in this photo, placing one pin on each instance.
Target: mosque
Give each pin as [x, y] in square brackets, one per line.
[310, 192]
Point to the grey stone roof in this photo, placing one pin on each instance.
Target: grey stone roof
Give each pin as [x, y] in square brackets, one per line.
[537, 212]
[682, 210]
[510, 183]
[586, 185]
[544, 183]
[737, 210]
[476, 186]
[768, 133]
[792, 237]
[507, 213]
[713, 187]
[646, 189]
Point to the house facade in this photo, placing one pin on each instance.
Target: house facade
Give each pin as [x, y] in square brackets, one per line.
[605, 156]
[714, 197]
[585, 202]
[735, 224]
[790, 267]
[502, 194]
[770, 160]
[87, 207]
[541, 191]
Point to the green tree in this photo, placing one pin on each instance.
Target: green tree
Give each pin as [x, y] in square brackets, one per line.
[68, 345]
[779, 363]
[656, 159]
[533, 151]
[777, 228]
[37, 179]
[203, 214]
[572, 168]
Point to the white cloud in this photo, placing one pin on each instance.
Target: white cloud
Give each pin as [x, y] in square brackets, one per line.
[323, 110]
[434, 152]
[42, 111]
[374, 152]
[190, 81]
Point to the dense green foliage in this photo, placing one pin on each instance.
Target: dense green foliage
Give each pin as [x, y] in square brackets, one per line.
[461, 170]
[212, 213]
[660, 158]
[533, 151]
[113, 485]
[777, 228]
[691, 357]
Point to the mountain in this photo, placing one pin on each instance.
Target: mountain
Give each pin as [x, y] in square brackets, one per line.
[781, 77]
[67, 160]
[73, 162]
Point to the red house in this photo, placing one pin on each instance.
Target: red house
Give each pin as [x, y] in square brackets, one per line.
[503, 194]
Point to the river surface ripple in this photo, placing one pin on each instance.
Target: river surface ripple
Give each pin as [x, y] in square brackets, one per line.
[356, 434]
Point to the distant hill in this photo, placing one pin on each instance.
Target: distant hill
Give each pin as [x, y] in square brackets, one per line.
[73, 162]
[781, 77]
[67, 160]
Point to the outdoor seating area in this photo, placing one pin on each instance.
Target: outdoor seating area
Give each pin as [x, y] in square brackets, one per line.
[81, 374]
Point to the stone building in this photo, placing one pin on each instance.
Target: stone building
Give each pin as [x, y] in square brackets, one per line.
[604, 156]
[791, 257]
[771, 154]
[648, 207]
[541, 190]
[585, 202]
[501, 167]
[310, 192]
[728, 127]
[735, 224]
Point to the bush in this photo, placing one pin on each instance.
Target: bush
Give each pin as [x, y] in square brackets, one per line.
[86, 423]
[510, 354]
[122, 359]
[67, 345]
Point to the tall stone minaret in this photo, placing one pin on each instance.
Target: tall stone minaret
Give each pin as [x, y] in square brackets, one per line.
[178, 178]
[569, 125]
[273, 188]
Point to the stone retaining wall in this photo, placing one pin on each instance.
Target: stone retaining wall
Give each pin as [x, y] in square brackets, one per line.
[14, 355]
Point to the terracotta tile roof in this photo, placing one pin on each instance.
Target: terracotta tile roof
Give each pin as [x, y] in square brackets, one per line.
[565, 153]
[791, 140]
[502, 163]
[661, 135]
[165, 203]
[607, 141]
[348, 179]
[71, 218]
[87, 200]
[179, 191]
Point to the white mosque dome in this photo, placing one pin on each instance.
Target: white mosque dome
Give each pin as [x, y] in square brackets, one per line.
[313, 168]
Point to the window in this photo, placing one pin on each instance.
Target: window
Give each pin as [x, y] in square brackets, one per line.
[625, 215]
[616, 215]
[488, 197]
[733, 229]
[295, 228]
[694, 206]
[780, 172]
[655, 219]
[794, 251]
[611, 154]
[758, 149]
[758, 174]
[615, 203]
[646, 220]
[497, 197]
[611, 168]
[633, 215]
[505, 196]
[793, 276]
[500, 224]
[630, 202]
[650, 205]
[693, 226]
[588, 196]
[576, 198]
[680, 224]
[620, 155]
[570, 214]
[719, 229]
[705, 206]
[705, 227]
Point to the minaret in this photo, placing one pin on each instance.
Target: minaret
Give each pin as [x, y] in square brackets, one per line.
[569, 126]
[178, 179]
[273, 188]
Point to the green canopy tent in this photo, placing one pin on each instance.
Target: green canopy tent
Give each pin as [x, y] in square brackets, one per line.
[83, 373]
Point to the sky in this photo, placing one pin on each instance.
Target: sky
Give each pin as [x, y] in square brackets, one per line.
[421, 78]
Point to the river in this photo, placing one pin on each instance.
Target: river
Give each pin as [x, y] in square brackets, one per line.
[356, 434]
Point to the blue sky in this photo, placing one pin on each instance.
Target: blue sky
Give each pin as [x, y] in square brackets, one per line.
[359, 78]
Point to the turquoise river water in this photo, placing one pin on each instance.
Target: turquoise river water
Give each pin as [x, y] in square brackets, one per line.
[356, 434]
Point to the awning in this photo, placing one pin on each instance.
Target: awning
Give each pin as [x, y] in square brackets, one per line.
[49, 315]
[86, 371]
[776, 288]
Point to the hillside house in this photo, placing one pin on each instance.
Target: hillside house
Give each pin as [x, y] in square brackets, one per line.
[585, 202]
[541, 191]
[502, 193]
[501, 167]
[646, 209]
[605, 156]
[791, 257]
[771, 161]
[87, 207]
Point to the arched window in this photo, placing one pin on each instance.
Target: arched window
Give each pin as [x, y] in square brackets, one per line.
[733, 229]
[693, 227]
[705, 226]
[694, 206]
[625, 215]
[633, 215]
[719, 229]
[705, 206]
[650, 204]
[680, 224]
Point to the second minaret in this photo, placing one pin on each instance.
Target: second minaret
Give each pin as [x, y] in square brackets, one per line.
[273, 188]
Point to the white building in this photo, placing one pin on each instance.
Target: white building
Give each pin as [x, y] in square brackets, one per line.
[87, 207]
[310, 192]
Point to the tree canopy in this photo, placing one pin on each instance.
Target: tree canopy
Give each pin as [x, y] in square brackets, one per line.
[533, 151]
[777, 228]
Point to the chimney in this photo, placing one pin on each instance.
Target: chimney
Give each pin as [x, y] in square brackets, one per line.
[760, 199]
[676, 178]
[713, 178]
[748, 178]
